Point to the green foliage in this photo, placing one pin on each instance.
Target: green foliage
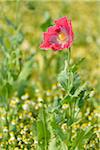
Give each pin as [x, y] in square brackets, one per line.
[52, 144]
[42, 130]
[13, 74]
[47, 23]
[63, 78]
[82, 138]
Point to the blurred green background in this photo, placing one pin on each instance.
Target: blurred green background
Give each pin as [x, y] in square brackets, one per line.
[35, 16]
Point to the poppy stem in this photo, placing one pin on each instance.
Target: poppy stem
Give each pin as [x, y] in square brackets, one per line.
[68, 62]
[70, 105]
[69, 55]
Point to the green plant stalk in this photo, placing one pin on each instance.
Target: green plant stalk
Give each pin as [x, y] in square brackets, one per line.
[7, 120]
[7, 124]
[70, 126]
[17, 10]
[70, 105]
[44, 126]
[68, 62]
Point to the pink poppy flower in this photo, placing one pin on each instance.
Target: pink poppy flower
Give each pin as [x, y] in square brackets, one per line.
[59, 36]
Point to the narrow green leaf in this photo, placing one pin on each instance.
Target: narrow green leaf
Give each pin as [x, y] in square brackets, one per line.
[52, 144]
[63, 77]
[26, 71]
[79, 90]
